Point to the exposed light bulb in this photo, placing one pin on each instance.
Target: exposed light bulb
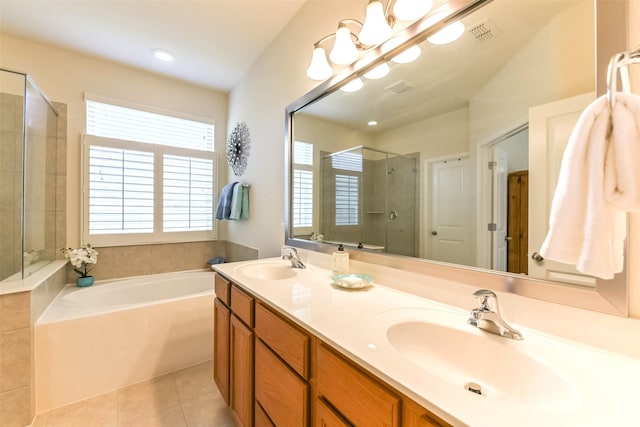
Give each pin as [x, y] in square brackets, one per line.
[375, 29]
[378, 72]
[372, 123]
[408, 55]
[448, 34]
[353, 86]
[344, 49]
[319, 69]
[410, 10]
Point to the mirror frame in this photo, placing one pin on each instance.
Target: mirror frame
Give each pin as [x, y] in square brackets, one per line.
[609, 296]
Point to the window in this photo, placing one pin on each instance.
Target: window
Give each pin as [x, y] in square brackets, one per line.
[347, 200]
[302, 185]
[148, 177]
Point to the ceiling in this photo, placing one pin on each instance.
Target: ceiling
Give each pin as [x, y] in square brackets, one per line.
[215, 42]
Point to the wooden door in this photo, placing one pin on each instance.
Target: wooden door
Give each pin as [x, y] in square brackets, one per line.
[241, 396]
[221, 317]
[518, 238]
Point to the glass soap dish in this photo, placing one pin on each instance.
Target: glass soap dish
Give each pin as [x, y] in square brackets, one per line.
[352, 281]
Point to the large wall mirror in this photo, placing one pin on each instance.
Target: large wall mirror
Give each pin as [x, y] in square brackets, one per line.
[457, 174]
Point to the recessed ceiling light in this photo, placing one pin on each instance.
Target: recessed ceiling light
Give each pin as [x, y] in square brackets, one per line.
[163, 55]
[372, 122]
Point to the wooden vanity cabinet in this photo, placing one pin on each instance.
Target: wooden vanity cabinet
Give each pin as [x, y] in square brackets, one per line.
[281, 369]
[233, 350]
[355, 396]
[272, 372]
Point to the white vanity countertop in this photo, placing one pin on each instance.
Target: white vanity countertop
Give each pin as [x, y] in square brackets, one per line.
[593, 387]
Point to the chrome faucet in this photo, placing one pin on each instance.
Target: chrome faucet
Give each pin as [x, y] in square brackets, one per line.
[489, 320]
[287, 252]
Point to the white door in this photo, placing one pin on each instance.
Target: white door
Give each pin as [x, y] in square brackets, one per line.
[550, 126]
[450, 234]
[499, 199]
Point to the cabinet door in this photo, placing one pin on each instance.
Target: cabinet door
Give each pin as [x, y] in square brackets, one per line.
[326, 417]
[241, 340]
[414, 415]
[221, 316]
[283, 395]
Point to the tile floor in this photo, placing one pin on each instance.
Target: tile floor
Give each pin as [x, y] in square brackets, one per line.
[185, 398]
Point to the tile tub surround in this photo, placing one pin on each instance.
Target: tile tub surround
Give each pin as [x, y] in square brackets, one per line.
[139, 260]
[184, 398]
[15, 359]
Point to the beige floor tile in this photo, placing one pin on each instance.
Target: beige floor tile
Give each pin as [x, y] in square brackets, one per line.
[100, 411]
[170, 417]
[195, 381]
[41, 420]
[147, 398]
[208, 410]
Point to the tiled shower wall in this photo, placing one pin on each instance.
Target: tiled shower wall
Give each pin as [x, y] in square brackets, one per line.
[11, 125]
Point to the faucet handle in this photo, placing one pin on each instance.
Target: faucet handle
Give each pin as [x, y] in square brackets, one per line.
[483, 295]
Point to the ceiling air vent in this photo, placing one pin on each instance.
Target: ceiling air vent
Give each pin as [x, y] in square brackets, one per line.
[400, 86]
[485, 31]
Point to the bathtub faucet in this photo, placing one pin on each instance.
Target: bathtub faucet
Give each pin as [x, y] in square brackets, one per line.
[291, 254]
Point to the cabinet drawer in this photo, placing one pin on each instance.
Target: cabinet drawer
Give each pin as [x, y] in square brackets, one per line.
[360, 399]
[285, 339]
[242, 305]
[279, 391]
[221, 287]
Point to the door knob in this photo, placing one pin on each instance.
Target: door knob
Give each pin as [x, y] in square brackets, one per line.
[434, 233]
[537, 257]
[508, 238]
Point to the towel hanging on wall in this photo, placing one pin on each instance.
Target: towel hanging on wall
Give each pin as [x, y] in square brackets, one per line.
[598, 183]
[234, 202]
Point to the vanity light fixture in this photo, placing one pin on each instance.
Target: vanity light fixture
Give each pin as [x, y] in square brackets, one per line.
[378, 72]
[448, 34]
[372, 123]
[163, 55]
[378, 27]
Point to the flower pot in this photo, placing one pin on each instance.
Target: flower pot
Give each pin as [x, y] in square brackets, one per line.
[84, 281]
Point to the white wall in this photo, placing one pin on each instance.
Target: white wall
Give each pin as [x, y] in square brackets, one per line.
[65, 76]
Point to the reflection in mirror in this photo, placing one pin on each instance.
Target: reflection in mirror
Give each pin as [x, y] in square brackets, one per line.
[448, 158]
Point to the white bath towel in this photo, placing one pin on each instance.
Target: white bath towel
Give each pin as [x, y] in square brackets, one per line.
[599, 180]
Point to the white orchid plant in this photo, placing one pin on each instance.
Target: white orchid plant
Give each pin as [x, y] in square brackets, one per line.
[81, 258]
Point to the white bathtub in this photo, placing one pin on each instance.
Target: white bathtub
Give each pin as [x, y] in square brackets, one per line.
[98, 339]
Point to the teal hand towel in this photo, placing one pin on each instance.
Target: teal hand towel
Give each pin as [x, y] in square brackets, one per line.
[244, 213]
[236, 202]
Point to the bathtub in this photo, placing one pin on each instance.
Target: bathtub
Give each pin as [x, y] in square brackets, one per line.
[94, 340]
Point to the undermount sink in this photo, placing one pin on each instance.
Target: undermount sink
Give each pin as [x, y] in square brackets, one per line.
[443, 345]
[267, 270]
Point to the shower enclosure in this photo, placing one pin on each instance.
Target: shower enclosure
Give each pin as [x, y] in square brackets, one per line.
[28, 177]
[369, 197]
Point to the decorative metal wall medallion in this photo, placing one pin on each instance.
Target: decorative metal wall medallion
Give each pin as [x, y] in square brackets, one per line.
[238, 145]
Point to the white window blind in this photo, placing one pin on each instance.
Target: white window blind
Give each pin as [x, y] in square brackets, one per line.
[187, 194]
[121, 188]
[347, 199]
[114, 121]
[148, 177]
[302, 184]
